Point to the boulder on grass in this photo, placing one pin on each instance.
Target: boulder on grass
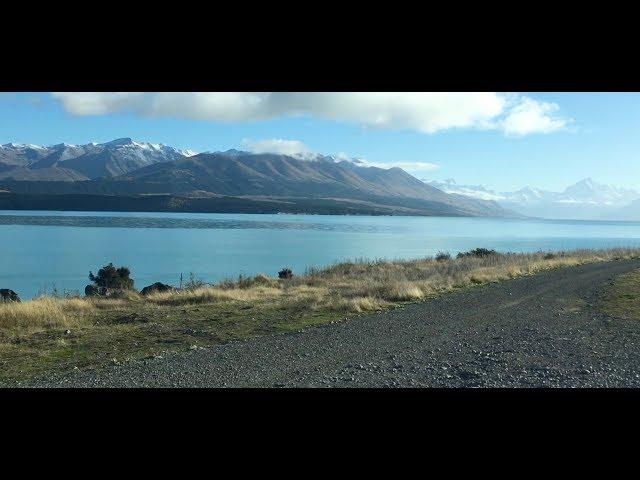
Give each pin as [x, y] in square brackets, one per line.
[7, 295]
[156, 288]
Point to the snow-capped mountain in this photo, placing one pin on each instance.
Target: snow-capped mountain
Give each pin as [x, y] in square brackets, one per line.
[590, 192]
[82, 162]
[585, 199]
[475, 191]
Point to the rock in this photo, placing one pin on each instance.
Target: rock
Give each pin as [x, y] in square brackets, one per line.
[7, 295]
[467, 375]
[156, 287]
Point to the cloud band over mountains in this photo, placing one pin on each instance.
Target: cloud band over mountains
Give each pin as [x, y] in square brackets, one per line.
[430, 112]
[296, 148]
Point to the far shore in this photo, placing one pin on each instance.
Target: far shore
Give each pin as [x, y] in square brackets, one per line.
[167, 202]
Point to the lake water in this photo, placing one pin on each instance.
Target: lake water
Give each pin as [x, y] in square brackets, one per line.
[40, 249]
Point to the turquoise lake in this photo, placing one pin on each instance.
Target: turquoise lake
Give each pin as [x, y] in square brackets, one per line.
[42, 249]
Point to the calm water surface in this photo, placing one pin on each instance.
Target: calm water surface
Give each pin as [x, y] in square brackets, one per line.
[40, 249]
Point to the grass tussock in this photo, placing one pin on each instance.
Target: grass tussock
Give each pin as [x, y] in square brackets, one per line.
[621, 298]
[212, 294]
[44, 313]
[356, 305]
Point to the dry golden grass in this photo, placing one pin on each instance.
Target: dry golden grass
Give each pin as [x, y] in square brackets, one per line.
[44, 313]
[364, 285]
[211, 295]
[355, 304]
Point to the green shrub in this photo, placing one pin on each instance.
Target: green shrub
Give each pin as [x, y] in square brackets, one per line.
[112, 278]
[478, 252]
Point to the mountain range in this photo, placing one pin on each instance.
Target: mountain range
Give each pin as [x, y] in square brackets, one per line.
[585, 199]
[64, 162]
[220, 180]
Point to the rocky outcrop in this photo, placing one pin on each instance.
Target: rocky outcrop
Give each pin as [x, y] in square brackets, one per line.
[156, 287]
[7, 295]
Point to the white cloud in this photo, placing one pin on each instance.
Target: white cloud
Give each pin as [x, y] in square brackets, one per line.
[409, 166]
[530, 116]
[297, 149]
[276, 145]
[101, 103]
[426, 112]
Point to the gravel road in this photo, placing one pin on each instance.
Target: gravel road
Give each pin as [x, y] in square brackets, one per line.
[537, 331]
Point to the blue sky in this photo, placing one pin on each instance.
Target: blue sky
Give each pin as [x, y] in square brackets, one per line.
[504, 142]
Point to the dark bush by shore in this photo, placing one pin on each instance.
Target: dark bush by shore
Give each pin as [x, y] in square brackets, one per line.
[285, 273]
[443, 256]
[8, 295]
[477, 252]
[110, 281]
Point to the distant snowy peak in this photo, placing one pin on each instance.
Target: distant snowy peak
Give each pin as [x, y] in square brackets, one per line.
[591, 192]
[585, 192]
[128, 143]
[473, 191]
[529, 195]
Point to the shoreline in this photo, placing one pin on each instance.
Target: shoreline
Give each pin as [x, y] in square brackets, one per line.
[324, 215]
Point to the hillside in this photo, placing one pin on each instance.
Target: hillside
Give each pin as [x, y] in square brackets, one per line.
[271, 175]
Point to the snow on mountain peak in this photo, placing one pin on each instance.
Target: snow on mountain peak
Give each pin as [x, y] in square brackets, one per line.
[120, 141]
[21, 146]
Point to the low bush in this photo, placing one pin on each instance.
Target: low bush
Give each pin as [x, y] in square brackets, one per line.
[285, 273]
[478, 253]
[109, 281]
[443, 256]
[259, 280]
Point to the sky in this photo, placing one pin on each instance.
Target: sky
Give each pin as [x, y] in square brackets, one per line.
[503, 141]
